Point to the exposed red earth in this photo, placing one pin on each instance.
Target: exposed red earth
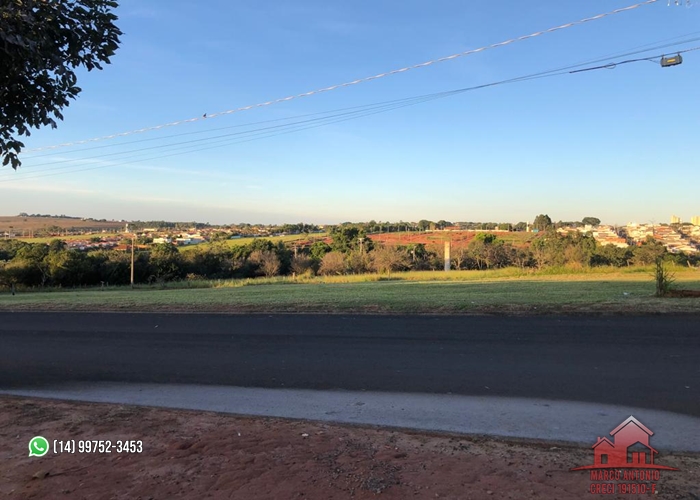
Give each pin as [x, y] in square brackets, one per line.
[201, 455]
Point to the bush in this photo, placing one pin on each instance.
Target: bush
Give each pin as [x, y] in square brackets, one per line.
[268, 262]
[387, 259]
[333, 263]
[302, 265]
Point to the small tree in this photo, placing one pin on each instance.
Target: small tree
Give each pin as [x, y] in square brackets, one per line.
[267, 261]
[542, 222]
[389, 258]
[333, 263]
[521, 257]
[318, 250]
[359, 261]
[301, 264]
[460, 256]
[165, 261]
[663, 277]
[424, 224]
[591, 221]
[648, 252]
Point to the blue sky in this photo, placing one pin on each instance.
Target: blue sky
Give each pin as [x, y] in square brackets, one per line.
[617, 144]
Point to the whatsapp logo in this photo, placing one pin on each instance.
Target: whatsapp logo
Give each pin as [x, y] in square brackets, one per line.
[38, 446]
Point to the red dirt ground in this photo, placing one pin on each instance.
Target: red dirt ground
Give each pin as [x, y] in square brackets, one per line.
[201, 455]
[458, 238]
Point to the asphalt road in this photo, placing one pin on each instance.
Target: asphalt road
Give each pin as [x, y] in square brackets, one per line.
[650, 362]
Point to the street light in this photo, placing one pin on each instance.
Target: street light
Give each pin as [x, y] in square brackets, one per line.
[671, 61]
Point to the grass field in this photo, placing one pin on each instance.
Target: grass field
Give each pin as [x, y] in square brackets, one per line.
[485, 293]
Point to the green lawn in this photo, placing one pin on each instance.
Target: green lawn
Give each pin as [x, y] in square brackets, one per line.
[594, 293]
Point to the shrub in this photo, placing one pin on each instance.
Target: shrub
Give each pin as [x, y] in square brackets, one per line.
[333, 263]
[663, 277]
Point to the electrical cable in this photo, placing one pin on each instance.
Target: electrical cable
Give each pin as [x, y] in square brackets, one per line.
[347, 111]
[359, 80]
[603, 58]
[224, 140]
[615, 65]
[343, 112]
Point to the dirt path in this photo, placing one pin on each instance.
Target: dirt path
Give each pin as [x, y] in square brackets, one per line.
[203, 455]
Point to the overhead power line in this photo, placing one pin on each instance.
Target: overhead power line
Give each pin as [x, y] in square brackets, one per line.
[208, 116]
[649, 47]
[628, 61]
[336, 116]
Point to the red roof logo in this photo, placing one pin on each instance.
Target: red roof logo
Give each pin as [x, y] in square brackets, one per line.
[629, 448]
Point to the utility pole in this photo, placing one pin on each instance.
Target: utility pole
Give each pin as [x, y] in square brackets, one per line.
[447, 255]
[133, 238]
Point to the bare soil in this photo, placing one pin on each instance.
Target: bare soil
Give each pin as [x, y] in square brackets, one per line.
[202, 455]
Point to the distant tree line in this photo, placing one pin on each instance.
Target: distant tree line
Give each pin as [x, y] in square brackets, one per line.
[373, 227]
[541, 223]
[350, 251]
[165, 225]
[24, 214]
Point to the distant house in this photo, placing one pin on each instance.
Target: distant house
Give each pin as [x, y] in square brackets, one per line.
[190, 239]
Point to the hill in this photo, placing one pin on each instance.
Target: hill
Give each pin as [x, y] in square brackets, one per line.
[45, 225]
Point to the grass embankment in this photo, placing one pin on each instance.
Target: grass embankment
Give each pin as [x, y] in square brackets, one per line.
[506, 291]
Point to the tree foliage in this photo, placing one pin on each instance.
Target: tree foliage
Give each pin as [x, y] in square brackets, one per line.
[55, 264]
[542, 222]
[387, 259]
[649, 252]
[348, 238]
[268, 262]
[591, 221]
[42, 42]
[333, 263]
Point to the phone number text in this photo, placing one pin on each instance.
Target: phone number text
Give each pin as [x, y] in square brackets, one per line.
[97, 446]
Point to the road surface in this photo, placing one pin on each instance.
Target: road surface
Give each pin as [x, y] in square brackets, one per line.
[648, 362]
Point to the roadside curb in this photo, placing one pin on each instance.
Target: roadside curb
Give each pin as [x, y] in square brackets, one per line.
[512, 418]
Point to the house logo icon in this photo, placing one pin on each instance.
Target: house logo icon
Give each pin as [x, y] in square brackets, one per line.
[629, 449]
